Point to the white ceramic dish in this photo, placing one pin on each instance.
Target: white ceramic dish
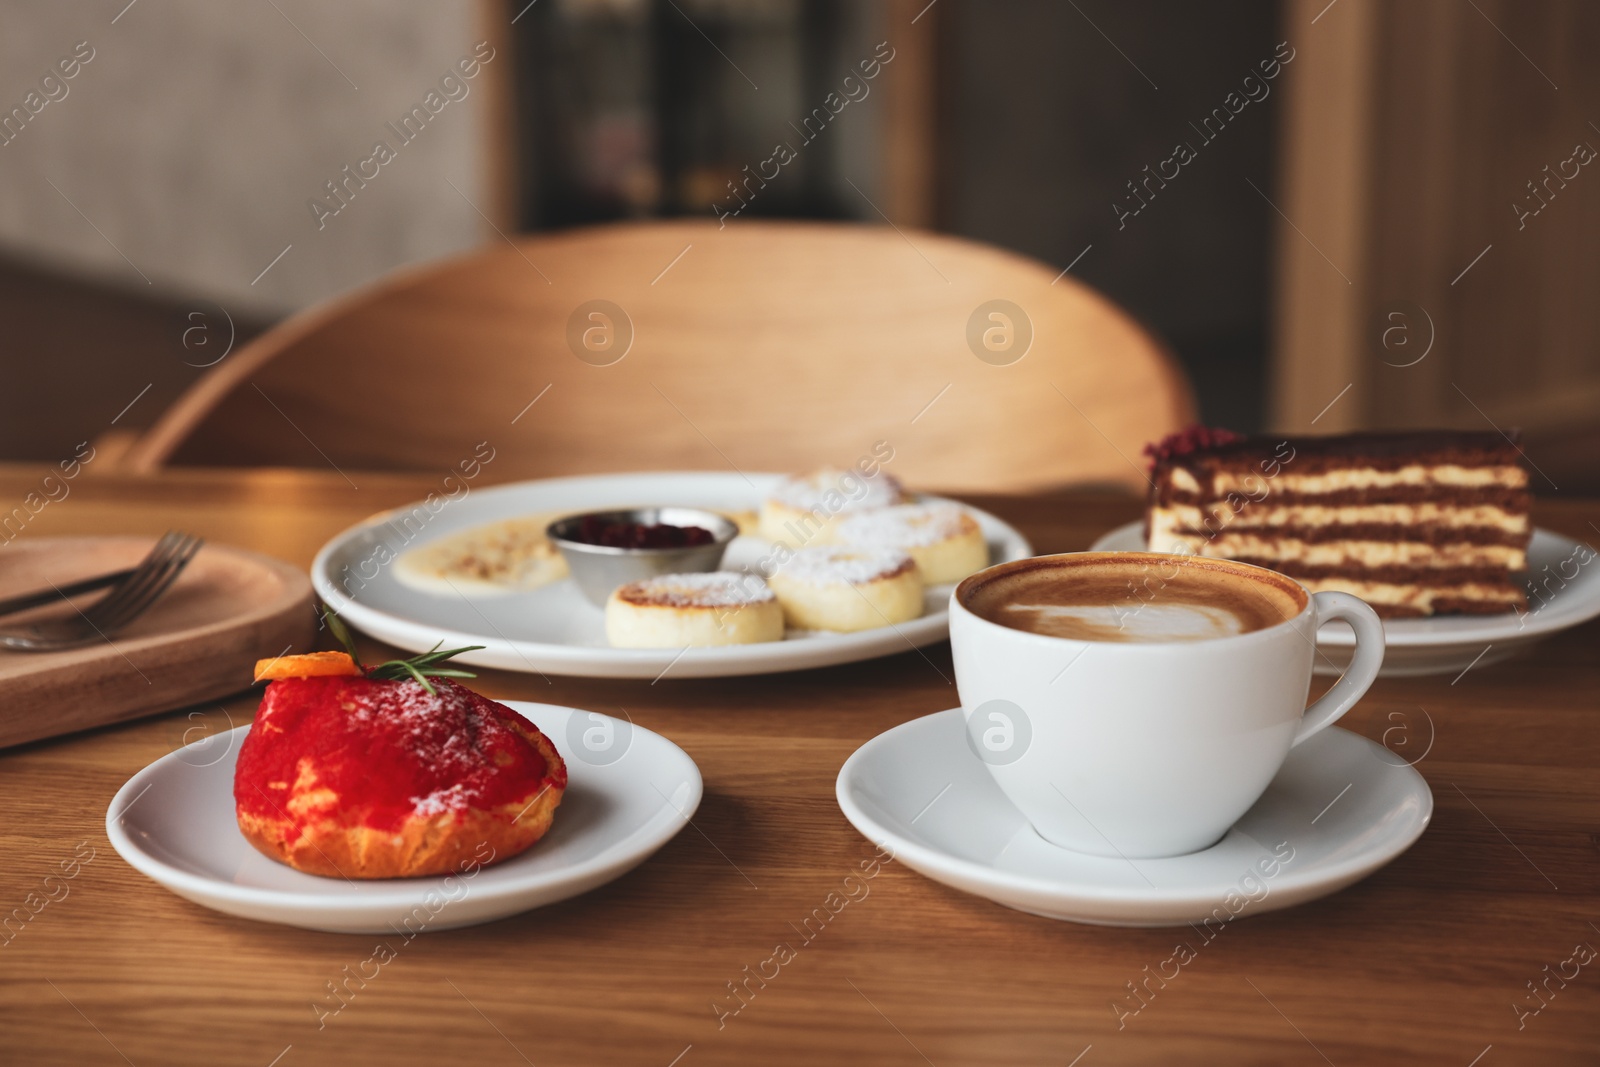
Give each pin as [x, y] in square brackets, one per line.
[1340, 808]
[1452, 644]
[174, 821]
[554, 630]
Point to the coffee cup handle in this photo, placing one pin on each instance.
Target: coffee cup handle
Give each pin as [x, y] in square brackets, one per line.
[1363, 669]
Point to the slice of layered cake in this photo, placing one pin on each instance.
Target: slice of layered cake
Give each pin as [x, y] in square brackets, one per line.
[1424, 523]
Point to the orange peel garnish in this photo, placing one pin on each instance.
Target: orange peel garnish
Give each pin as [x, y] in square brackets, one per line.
[309, 665]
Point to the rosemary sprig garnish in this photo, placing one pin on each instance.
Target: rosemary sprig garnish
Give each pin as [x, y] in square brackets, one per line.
[420, 668]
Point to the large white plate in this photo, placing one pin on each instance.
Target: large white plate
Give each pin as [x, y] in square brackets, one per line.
[554, 630]
[1340, 808]
[1569, 595]
[174, 821]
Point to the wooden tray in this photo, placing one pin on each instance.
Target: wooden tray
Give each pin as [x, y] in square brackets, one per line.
[199, 642]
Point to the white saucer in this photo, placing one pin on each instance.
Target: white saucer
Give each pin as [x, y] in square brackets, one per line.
[1451, 644]
[1344, 806]
[554, 630]
[629, 792]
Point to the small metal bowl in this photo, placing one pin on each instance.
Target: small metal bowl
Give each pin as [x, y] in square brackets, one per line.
[600, 569]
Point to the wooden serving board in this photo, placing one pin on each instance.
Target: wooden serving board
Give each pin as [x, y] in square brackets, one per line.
[199, 642]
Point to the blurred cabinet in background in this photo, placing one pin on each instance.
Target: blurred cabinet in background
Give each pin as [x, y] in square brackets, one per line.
[738, 108]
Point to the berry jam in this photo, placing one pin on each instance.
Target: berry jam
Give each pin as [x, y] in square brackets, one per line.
[375, 749]
[597, 531]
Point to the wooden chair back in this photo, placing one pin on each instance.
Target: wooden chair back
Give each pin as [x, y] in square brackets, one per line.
[681, 345]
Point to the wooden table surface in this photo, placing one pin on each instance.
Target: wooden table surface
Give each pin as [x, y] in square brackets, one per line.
[1424, 962]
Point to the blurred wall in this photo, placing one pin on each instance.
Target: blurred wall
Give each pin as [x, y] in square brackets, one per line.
[1438, 153]
[181, 156]
[1052, 109]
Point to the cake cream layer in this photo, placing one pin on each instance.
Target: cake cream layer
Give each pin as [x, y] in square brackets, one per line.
[1515, 501]
[1416, 475]
[1426, 598]
[1348, 553]
[1268, 515]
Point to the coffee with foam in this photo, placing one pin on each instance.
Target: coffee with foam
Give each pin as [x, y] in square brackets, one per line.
[1132, 597]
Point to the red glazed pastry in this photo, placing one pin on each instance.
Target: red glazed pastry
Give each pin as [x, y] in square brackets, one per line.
[358, 775]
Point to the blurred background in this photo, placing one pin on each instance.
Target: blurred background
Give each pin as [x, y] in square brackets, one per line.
[1381, 204]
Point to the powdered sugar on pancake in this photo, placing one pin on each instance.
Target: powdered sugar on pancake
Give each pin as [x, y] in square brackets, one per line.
[845, 565]
[906, 525]
[711, 589]
[850, 491]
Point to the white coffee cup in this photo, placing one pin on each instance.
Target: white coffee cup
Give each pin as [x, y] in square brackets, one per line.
[1148, 748]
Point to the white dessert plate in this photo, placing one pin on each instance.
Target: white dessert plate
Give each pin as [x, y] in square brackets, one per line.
[554, 630]
[629, 791]
[1340, 808]
[1451, 644]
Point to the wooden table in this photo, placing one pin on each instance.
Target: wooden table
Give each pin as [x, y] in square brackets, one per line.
[1421, 963]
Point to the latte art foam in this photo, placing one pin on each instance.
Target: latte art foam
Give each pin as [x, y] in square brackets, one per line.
[1132, 597]
[1102, 622]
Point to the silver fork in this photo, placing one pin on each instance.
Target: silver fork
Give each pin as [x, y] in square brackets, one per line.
[125, 602]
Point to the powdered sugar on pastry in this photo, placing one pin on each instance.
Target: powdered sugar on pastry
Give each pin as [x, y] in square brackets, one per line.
[837, 491]
[906, 525]
[713, 589]
[845, 565]
[679, 610]
[947, 543]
